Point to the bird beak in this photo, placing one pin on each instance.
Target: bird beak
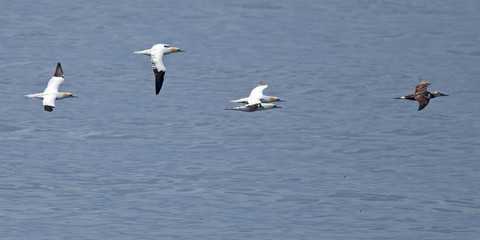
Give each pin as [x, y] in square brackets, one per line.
[443, 94]
[175, 49]
[73, 96]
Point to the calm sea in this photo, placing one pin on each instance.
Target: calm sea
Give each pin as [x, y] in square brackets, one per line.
[341, 159]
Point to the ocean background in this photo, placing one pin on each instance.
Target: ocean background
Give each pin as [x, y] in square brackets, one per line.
[341, 159]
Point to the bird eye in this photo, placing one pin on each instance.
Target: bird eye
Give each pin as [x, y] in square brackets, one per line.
[166, 46]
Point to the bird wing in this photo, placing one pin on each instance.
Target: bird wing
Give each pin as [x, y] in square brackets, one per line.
[256, 94]
[159, 75]
[422, 86]
[157, 60]
[422, 100]
[158, 69]
[49, 101]
[409, 97]
[53, 84]
[58, 71]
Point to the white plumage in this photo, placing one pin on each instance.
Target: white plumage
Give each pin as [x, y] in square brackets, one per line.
[50, 94]
[156, 58]
[256, 100]
[258, 93]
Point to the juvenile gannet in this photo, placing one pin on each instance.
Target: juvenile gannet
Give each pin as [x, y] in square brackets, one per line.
[51, 92]
[263, 98]
[422, 95]
[254, 102]
[156, 53]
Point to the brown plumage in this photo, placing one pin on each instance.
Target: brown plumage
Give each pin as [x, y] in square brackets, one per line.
[422, 95]
[254, 107]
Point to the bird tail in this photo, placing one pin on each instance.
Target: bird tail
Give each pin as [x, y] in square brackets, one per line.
[145, 52]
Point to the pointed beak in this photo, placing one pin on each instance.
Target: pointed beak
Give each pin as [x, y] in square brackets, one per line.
[443, 94]
[175, 49]
[74, 96]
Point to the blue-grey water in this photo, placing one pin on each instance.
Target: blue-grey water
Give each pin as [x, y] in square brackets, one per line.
[340, 160]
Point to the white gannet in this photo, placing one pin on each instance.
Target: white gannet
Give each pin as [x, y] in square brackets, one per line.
[263, 98]
[156, 52]
[51, 92]
[254, 102]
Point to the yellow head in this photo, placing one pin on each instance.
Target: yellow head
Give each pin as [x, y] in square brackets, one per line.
[175, 49]
[274, 99]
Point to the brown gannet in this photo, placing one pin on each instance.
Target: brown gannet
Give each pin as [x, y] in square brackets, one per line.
[156, 52]
[422, 95]
[50, 94]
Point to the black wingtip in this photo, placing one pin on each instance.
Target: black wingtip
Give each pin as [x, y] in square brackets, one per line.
[159, 76]
[58, 71]
[48, 108]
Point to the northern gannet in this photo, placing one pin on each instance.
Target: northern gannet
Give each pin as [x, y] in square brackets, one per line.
[254, 101]
[51, 92]
[263, 98]
[422, 95]
[156, 53]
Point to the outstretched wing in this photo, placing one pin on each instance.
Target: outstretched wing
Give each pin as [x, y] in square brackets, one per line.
[158, 69]
[422, 87]
[157, 60]
[256, 94]
[53, 84]
[49, 102]
[159, 75]
[409, 97]
[422, 100]
[56, 80]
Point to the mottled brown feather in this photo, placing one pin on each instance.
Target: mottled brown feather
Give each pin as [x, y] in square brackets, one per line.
[422, 86]
[422, 99]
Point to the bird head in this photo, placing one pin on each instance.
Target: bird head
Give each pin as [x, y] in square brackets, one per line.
[168, 49]
[437, 94]
[275, 99]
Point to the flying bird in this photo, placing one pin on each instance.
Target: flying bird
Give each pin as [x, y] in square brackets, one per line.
[156, 53]
[51, 92]
[422, 95]
[254, 100]
[263, 98]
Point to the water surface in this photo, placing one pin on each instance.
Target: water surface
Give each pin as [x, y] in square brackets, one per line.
[340, 160]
